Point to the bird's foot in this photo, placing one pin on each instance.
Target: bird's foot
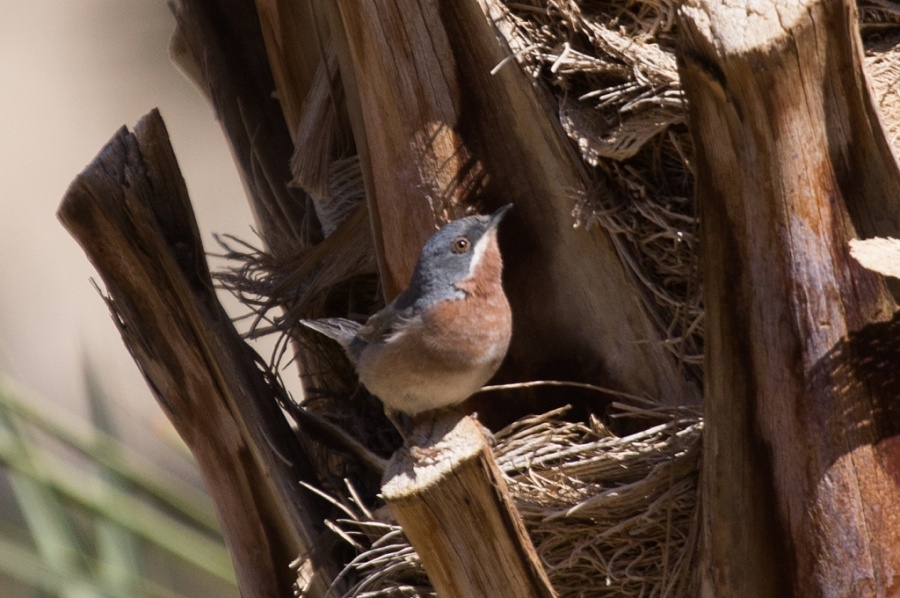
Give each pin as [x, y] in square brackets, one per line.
[424, 454]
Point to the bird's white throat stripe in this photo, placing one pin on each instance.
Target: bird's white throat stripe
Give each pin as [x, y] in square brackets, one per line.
[478, 252]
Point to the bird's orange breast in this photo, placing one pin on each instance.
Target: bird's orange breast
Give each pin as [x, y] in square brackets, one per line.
[474, 330]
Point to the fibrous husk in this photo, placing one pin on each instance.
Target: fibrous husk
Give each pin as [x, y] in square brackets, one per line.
[609, 515]
[883, 69]
[613, 69]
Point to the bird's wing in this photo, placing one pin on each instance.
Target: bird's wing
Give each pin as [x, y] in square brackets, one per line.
[340, 329]
[384, 324]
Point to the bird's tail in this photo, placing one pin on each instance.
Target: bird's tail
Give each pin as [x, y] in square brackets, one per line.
[340, 329]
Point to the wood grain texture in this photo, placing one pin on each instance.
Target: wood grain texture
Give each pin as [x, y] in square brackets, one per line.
[295, 39]
[456, 511]
[130, 212]
[437, 132]
[219, 44]
[799, 483]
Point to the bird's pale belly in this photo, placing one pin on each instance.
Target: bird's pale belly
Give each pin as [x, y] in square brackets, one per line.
[410, 376]
[415, 391]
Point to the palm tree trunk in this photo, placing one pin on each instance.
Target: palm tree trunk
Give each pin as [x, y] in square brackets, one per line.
[800, 468]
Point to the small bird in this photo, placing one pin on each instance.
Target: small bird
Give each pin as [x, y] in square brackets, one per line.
[442, 338]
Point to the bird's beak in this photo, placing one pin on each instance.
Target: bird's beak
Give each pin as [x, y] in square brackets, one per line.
[497, 216]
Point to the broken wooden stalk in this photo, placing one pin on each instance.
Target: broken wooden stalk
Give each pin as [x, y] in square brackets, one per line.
[131, 213]
[801, 452]
[455, 508]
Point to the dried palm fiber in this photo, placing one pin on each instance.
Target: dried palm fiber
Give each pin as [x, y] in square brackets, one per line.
[880, 26]
[609, 516]
[336, 276]
[339, 274]
[613, 70]
[883, 69]
[612, 67]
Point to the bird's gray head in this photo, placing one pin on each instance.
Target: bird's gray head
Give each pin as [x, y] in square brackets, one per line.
[449, 256]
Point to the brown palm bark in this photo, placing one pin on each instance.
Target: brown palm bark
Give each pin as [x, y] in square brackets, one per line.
[800, 485]
[131, 213]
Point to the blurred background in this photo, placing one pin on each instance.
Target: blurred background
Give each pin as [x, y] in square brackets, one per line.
[72, 73]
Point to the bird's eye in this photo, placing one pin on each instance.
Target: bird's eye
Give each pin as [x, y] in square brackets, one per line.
[460, 245]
